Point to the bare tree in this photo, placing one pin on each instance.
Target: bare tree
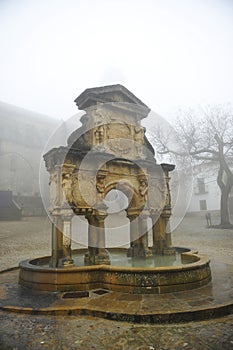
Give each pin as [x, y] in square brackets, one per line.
[207, 135]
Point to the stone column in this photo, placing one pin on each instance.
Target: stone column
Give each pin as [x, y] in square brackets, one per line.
[97, 254]
[134, 235]
[166, 213]
[89, 258]
[168, 233]
[57, 241]
[158, 231]
[102, 256]
[61, 241]
[168, 249]
[67, 260]
[159, 236]
[143, 231]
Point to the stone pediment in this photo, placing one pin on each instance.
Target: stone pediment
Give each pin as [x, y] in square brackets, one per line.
[112, 123]
[108, 94]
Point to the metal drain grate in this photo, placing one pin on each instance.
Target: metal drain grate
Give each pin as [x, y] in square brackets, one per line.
[75, 295]
[100, 291]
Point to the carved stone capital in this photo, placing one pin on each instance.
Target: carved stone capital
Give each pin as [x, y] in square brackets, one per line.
[133, 214]
[145, 214]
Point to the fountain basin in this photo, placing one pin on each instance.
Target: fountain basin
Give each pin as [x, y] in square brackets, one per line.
[195, 272]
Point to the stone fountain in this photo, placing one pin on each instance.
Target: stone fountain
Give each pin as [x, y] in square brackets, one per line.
[110, 151]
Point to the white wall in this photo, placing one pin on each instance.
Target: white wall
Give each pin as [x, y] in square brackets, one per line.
[212, 194]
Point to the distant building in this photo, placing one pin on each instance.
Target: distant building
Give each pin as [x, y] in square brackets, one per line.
[206, 192]
[23, 135]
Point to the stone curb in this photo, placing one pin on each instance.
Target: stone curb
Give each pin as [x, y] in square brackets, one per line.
[157, 317]
[196, 314]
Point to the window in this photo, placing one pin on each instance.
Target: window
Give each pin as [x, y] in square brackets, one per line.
[203, 205]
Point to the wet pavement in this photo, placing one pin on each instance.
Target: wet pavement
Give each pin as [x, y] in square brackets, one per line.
[26, 331]
[85, 333]
[212, 300]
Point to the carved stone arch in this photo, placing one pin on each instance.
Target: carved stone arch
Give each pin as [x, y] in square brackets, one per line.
[127, 188]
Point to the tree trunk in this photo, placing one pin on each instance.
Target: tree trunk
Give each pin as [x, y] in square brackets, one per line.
[225, 184]
[224, 210]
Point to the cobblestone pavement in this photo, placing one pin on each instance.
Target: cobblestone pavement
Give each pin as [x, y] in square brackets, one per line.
[31, 238]
[216, 243]
[21, 240]
[79, 333]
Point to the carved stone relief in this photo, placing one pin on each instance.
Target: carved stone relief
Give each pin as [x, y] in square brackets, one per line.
[139, 140]
[67, 189]
[157, 196]
[143, 188]
[53, 190]
[84, 189]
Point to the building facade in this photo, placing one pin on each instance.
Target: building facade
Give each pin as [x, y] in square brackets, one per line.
[23, 135]
[206, 192]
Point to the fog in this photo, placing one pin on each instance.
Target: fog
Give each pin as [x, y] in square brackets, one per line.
[169, 53]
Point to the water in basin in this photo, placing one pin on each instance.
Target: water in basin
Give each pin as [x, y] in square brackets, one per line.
[120, 259]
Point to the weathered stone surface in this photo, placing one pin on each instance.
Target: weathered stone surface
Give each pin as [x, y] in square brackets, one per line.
[109, 151]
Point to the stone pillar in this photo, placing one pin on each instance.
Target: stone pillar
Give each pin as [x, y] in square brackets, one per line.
[158, 231]
[89, 258]
[166, 213]
[143, 231]
[168, 249]
[61, 241]
[57, 241]
[102, 256]
[134, 235]
[53, 260]
[67, 255]
[97, 254]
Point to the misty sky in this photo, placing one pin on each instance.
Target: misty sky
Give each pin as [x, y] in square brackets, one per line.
[169, 53]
